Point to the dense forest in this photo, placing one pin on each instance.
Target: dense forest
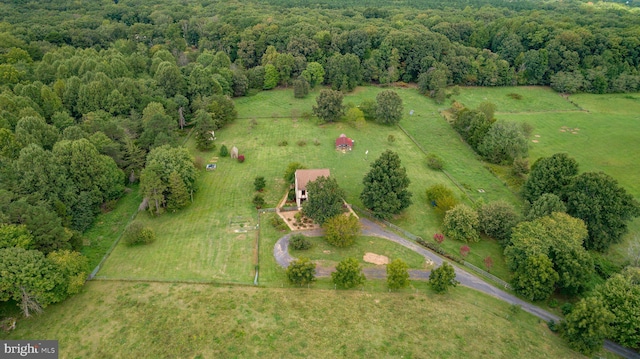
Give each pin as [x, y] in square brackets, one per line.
[94, 95]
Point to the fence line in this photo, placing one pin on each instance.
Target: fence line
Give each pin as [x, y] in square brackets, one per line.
[113, 246]
[464, 190]
[257, 263]
[180, 281]
[488, 275]
[415, 238]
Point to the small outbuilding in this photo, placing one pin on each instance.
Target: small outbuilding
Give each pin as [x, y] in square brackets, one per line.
[344, 143]
[303, 177]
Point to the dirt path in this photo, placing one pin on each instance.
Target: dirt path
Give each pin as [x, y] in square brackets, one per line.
[369, 228]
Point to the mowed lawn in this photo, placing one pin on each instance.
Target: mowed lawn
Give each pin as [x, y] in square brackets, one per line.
[328, 255]
[506, 100]
[162, 320]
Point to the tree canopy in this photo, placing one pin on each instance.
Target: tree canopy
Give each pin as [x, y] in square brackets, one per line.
[385, 186]
[324, 199]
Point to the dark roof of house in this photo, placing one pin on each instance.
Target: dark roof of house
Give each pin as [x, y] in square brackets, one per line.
[305, 176]
[343, 140]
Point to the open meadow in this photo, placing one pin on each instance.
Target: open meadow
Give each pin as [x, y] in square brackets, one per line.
[112, 319]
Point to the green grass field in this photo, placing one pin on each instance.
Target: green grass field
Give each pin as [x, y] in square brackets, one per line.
[108, 227]
[532, 99]
[197, 242]
[161, 320]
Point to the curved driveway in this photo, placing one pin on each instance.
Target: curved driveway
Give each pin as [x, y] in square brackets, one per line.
[370, 228]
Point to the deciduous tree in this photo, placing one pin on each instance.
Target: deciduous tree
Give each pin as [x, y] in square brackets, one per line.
[329, 106]
[389, 107]
[497, 219]
[27, 278]
[549, 175]
[301, 271]
[397, 274]
[341, 230]
[348, 274]
[603, 205]
[442, 278]
[324, 199]
[461, 223]
[586, 327]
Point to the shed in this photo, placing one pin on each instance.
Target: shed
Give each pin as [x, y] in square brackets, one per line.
[344, 143]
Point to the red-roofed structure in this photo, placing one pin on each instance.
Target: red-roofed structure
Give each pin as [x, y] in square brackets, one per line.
[344, 143]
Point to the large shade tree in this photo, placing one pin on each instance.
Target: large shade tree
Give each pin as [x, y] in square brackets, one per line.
[549, 175]
[329, 106]
[324, 199]
[603, 205]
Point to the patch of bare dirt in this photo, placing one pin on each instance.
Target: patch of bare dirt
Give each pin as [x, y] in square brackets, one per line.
[375, 258]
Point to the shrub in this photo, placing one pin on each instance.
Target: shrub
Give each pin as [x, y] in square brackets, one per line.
[438, 237]
[283, 143]
[299, 242]
[434, 162]
[566, 308]
[464, 251]
[278, 223]
[240, 158]
[224, 151]
[391, 138]
[137, 233]
[258, 201]
[488, 263]
[515, 96]
[441, 197]
[461, 223]
[291, 196]
[316, 142]
[259, 183]
[520, 167]
[301, 143]
[442, 278]
[436, 248]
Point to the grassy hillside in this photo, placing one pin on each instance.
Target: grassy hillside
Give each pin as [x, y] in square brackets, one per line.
[159, 320]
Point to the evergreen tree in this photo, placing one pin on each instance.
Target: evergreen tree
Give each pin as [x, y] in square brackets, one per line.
[385, 186]
[178, 196]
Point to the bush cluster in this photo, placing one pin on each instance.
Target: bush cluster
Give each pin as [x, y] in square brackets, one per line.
[299, 242]
[137, 233]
